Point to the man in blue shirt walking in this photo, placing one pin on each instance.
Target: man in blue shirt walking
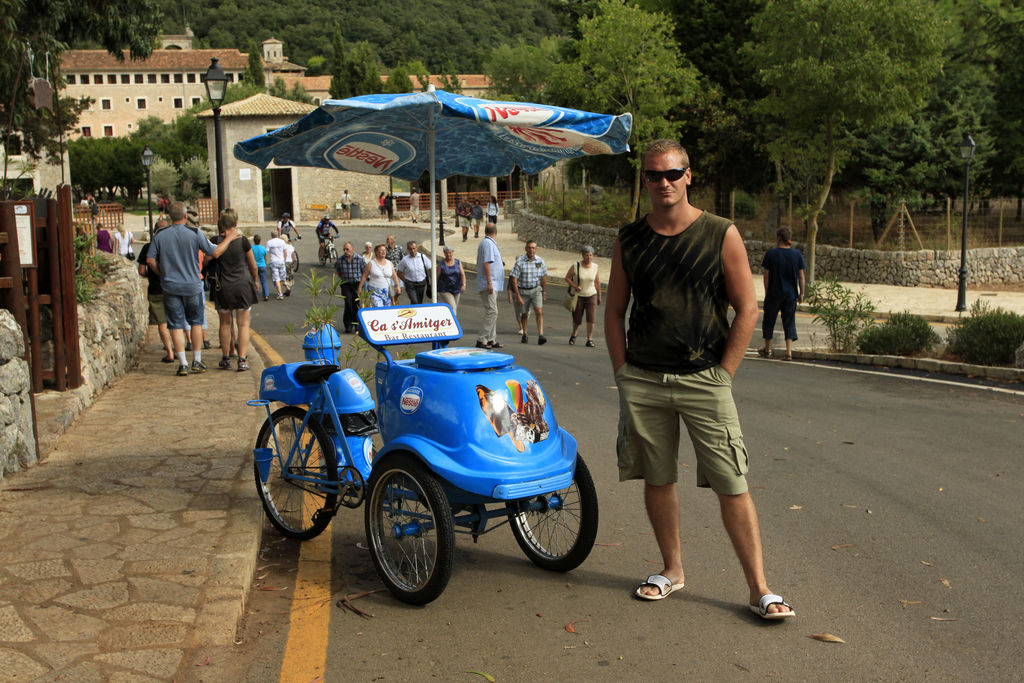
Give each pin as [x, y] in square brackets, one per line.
[783, 289]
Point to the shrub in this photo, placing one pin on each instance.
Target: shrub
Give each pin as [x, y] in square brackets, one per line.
[744, 205]
[843, 313]
[904, 334]
[987, 337]
[90, 268]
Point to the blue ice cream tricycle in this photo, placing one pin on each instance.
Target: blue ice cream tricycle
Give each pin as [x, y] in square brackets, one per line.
[468, 439]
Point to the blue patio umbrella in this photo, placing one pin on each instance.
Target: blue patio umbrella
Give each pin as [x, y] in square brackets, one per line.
[444, 133]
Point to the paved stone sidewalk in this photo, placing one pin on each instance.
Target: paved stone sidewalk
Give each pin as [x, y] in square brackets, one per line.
[135, 538]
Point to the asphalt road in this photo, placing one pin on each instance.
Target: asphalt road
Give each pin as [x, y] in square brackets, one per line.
[890, 514]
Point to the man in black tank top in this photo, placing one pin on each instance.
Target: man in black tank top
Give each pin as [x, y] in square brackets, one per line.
[683, 268]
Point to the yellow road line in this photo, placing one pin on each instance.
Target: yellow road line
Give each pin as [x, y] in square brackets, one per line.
[273, 357]
[305, 653]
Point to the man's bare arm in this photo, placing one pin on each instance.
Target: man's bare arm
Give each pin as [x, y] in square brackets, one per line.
[616, 303]
[739, 287]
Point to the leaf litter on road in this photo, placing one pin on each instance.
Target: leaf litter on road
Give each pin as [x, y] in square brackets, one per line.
[827, 638]
[571, 626]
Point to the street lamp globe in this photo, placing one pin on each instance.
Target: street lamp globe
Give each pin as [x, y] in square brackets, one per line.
[967, 148]
[147, 157]
[216, 82]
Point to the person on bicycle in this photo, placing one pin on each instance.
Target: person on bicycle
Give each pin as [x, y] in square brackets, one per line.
[286, 225]
[323, 231]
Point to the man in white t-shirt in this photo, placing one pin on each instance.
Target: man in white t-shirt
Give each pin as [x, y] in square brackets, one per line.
[276, 262]
[291, 264]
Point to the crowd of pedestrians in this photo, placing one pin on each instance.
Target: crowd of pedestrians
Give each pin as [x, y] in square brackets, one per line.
[183, 268]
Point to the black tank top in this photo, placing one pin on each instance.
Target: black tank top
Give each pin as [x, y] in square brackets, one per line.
[678, 322]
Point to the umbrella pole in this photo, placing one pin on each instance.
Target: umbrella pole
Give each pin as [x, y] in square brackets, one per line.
[433, 213]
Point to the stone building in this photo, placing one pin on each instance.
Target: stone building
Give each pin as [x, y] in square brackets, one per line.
[123, 92]
[306, 193]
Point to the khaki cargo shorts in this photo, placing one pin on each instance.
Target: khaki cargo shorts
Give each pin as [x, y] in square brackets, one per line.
[650, 406]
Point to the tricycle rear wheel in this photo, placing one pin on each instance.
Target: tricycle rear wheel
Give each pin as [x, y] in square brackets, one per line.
[557, 530]
[409, 529]
[298, 509]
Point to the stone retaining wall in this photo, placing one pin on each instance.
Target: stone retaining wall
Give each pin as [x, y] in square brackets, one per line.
[902, 268]
[111, 328]
[17, 444]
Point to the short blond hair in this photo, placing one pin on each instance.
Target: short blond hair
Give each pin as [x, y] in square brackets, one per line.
[228, 219]
[664, 146]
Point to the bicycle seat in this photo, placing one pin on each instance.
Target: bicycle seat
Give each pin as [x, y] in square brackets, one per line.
[314, 373]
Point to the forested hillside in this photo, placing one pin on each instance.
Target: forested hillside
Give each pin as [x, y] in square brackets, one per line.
[446, 35]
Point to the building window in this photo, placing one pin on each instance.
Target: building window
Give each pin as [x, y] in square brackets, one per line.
[85, 79]
[108, 131]
[86, 132]
[195, 101]
[14, 145]
[126, 79]
[70, 78]
[140, 103]
[191, 78]
[105, 104]
[111, 79]
[179, 78]
[138, 78]
[150, 78]
[179, 103]
[97, 79]
[165, 78]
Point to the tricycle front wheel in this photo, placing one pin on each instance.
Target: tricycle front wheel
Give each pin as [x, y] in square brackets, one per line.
[298, 492]
[409, 529]
[557, 530]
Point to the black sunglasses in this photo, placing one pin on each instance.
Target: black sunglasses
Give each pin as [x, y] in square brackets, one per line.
[671, 175]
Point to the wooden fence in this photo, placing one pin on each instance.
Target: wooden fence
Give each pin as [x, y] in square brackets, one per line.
[37, 270]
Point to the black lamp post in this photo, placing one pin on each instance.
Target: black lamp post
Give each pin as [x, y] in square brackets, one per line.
[216, 85]
[147, 161]
[967, 147]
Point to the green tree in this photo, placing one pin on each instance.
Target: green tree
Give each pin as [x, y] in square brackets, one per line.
[722, 129]
[363, 69]
[830, 65]
[1007, 127]
[193, 173]
[340, 88]
[253, 74]
[317, 66]
[398, 81]
[33, 30]
[450, 80]
[164, 178]
[297, 92]
[629, 61]
[522, 73]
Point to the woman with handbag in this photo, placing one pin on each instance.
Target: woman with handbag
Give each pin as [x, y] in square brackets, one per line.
[584, 280]
[451, 280]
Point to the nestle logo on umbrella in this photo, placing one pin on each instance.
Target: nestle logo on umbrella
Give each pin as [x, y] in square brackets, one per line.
[519, 114]
[376, 154]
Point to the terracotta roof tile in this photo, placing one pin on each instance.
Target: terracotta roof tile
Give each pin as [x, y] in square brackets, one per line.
[197, 60]
[262, 104]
